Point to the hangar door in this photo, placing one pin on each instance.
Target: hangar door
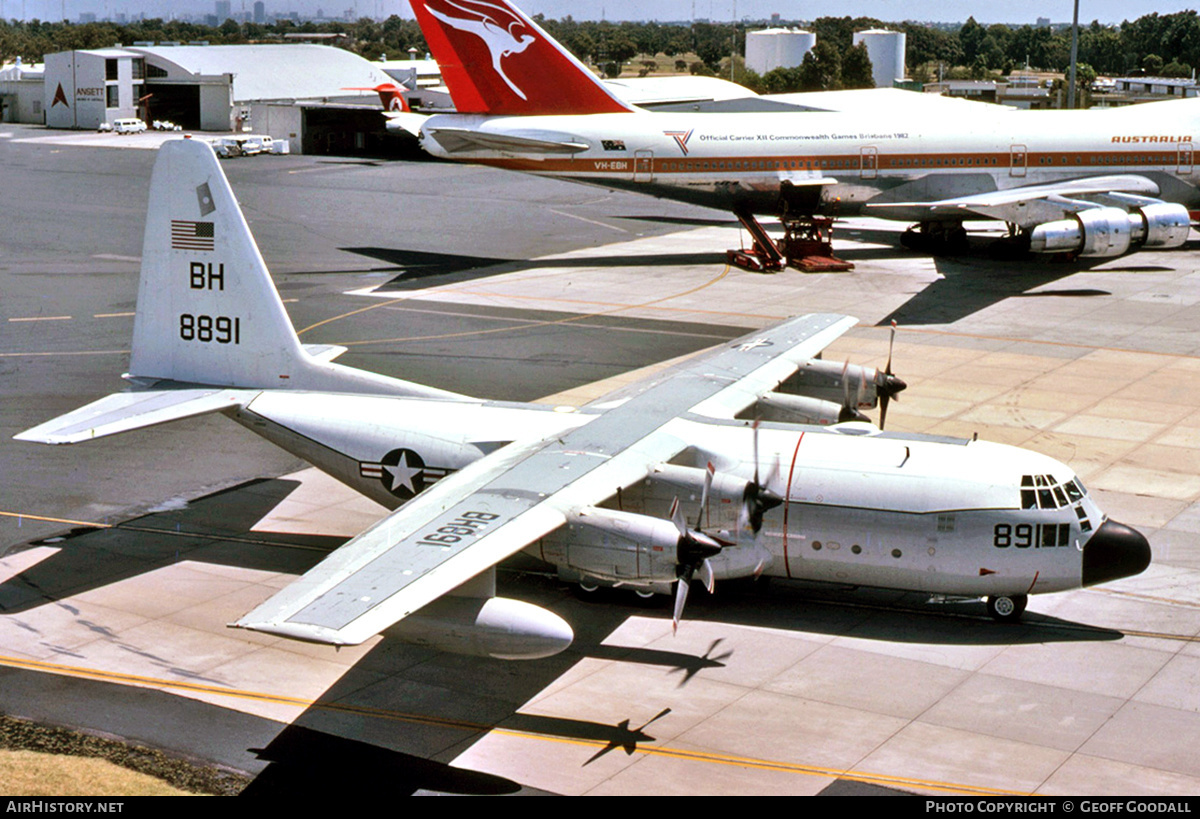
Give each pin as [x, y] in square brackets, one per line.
[178, 103]
[348, 132]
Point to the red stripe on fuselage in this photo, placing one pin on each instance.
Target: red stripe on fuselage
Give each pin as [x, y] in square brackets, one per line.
[1090, 162]
[787, 504]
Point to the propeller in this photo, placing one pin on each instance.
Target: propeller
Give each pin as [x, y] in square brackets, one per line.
[758, 499]
[887, 385]
[850, 411]
[694, 550]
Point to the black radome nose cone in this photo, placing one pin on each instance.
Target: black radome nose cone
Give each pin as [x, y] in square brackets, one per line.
[1115, 551]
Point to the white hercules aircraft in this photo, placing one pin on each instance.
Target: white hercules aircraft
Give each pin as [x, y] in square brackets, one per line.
[598, 491]
[1084, 183]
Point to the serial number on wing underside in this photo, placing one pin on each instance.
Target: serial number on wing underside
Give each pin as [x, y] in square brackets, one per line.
[466, 525]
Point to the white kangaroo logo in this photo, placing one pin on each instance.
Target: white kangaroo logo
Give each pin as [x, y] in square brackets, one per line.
[500, 39]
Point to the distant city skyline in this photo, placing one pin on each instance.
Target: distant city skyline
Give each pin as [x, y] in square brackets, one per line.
[985, 11]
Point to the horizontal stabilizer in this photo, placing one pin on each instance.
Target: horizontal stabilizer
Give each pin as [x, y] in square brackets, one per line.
[456, 140]
[405, 121]
[324, 352]
[124, 411]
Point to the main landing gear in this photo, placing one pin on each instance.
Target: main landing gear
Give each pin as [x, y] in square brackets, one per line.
[806, 245]
[938, 238]
[1007, 609]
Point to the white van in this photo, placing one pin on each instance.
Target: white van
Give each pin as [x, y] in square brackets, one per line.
[130, 125]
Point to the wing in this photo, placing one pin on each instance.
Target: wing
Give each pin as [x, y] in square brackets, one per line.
[455, 140]
[1030, 204]
[505, 501]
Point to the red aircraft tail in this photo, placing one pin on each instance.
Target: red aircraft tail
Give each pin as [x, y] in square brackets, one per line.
[390, 94]
[495, 60]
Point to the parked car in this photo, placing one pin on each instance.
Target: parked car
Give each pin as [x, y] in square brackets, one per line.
[128, 125]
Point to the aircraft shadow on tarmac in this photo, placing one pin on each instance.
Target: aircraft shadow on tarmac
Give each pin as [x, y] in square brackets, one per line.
[977, 279]
[417, 267]
[967, 283]
[212, 529]
[402, 701]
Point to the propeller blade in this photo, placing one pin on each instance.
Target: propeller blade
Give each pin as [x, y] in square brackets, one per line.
[708, 480]
[707, 577]
[754, 429]
[681, 594]
[889, 385]
[846, 384]
[891, 344]
[677, 518]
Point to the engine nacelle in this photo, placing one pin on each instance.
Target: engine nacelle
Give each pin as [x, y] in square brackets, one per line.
[824, 380]
[615, 546]
[1161, 225]
[1099, 232]
[726, 496]
[803, 409]
[1106, 232]
[485, 627]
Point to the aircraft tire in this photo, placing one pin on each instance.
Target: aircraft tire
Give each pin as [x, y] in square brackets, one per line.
[1007, 609]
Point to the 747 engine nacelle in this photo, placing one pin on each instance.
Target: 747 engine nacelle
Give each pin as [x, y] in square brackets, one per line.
[1107, 232]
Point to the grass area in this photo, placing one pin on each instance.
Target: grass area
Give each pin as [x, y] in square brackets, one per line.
[29, 773]
[39, 760]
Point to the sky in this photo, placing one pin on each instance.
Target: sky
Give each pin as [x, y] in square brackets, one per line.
[984, 11]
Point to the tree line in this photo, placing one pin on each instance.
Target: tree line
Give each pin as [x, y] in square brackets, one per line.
[1166, 44]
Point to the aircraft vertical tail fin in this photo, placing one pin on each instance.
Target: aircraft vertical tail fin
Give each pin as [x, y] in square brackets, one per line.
[210, 330]
[391, 96]
[495, 60]
[207, 310]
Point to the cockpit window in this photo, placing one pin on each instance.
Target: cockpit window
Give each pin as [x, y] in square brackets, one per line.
[1044, 492]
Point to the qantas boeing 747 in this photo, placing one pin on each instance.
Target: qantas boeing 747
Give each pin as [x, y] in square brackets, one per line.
[1084, 183]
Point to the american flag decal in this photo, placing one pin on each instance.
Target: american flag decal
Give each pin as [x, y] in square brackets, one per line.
[191, 235]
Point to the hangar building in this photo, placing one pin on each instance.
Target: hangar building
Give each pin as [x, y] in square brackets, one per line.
[21, 92]
[299, 92]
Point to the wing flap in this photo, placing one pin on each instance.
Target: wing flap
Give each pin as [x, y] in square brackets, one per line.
[124, 411]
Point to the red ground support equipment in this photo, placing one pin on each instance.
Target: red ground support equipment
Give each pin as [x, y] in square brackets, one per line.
[807, 245]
